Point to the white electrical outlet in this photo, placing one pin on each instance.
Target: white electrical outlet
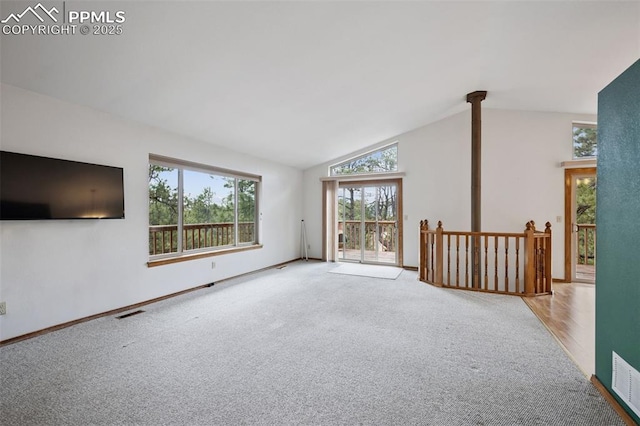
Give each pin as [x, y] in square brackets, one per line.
[3, 308]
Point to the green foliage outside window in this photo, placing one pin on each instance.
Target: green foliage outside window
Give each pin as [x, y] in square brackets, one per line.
[586, 200]
[163, 195]
[585, 145]
[383, 160]
[585, 141]
[208, 210]
[586, 189]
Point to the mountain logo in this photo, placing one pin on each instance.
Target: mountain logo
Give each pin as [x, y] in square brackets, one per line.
[33, 11]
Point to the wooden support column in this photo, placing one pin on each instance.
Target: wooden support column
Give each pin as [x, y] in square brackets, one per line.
[475, 98]
[476, 181]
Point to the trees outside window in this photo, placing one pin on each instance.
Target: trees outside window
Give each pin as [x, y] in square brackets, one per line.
[585, 141]
[382, 160]
[197, 209]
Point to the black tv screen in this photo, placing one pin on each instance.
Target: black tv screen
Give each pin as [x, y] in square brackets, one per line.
[33, 187]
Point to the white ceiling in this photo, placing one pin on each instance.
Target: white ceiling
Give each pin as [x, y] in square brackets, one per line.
[305, 82]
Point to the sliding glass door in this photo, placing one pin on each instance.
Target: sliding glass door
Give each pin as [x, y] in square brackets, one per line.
[368, 223]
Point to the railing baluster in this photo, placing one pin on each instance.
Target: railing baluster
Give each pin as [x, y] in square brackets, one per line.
[448, 259]
[495, 267]
[466, 261]
[432, 241]
[538, 243]
[486, 262]
[476, 280]
[506, 264]
[517, 264]
[457, 260]
[594, 245]
[429, 257]
[586, 246]
[155, 245]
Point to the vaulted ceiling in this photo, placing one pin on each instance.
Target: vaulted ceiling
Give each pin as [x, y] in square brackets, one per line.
[304, 82]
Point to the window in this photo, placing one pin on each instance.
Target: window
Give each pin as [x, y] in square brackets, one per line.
[384, 159]
[585, 140]
[195, 208]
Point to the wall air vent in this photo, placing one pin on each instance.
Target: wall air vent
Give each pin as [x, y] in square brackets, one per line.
[626, 383]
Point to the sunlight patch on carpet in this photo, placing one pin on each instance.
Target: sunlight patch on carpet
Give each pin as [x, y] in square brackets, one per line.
[372, 271]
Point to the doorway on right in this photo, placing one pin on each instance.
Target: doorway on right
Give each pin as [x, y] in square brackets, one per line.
[581, 188]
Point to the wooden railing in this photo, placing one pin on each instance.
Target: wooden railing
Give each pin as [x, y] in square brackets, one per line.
[586, 244]
[508, 263]
[164, 238]
[384, 232]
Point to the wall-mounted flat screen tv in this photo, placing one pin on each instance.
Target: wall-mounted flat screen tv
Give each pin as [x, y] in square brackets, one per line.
[33, 188]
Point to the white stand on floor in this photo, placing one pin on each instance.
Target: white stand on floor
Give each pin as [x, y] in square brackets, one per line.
[304, 254]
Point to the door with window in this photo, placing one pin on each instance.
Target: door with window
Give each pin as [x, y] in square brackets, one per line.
[583, 226]
[368, 226]
[580, 205]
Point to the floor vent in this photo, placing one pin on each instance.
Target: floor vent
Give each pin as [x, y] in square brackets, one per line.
[626, 383]
[130, 314]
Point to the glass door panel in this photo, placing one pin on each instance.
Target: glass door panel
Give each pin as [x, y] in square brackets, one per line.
[371, 242]
[387, 223]
[349, 225]
[584, 228]
[368, 224]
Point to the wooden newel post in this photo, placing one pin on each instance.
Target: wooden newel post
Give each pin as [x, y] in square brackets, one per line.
[438, 248]
[529, 260]
[547, 259]
[424, 228]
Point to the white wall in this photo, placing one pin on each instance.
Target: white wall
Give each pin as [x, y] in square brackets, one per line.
[521, 176]
[57, 271]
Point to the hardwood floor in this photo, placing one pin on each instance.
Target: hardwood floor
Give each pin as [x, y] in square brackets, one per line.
[586, 273]
[569, 313]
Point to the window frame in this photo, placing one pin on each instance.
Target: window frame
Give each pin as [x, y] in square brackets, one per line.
[364, 155]
[583, 125]
[181, 254]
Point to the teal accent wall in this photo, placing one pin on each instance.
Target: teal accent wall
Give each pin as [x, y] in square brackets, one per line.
[618, 225]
